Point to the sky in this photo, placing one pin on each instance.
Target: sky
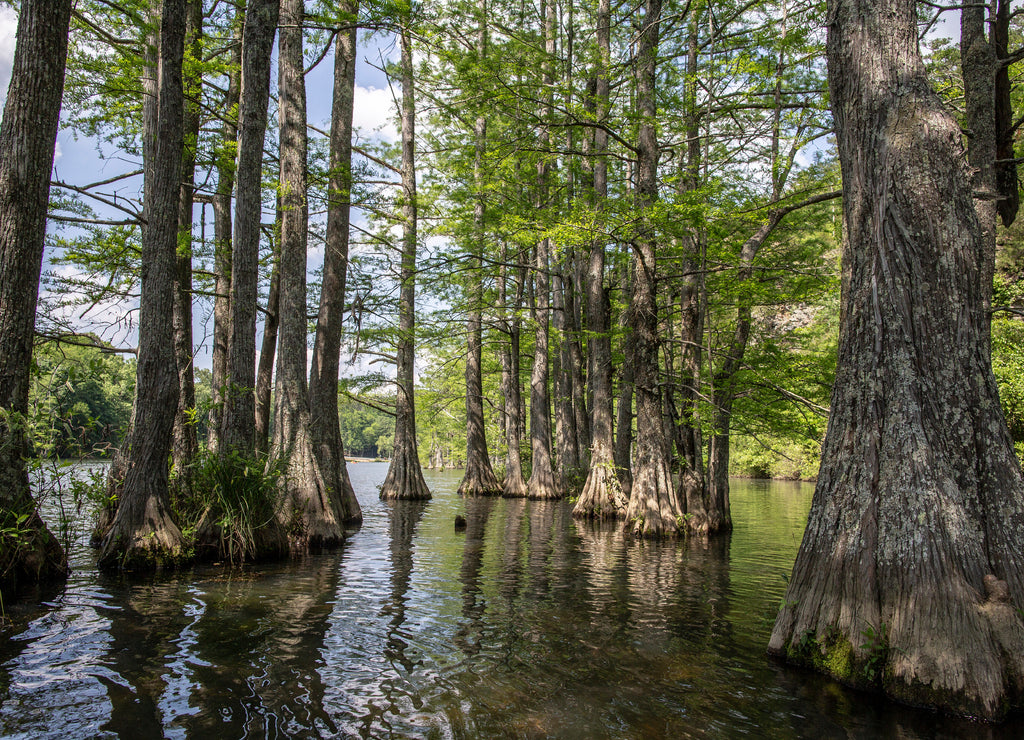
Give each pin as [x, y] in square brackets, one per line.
[77, 160]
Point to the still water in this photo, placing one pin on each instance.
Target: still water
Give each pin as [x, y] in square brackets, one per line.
[526, 625]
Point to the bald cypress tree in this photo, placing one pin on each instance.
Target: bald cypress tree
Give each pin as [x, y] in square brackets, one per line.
[28, 135]
[910, 576]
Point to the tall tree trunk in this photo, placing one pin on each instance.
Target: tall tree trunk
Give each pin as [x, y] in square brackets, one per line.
[542, 483]
[602, 495]
[404, 479]
[28, 136]
[479, 479]
[1007, 184]
[150, 133]
[654, 508]
[567, 455]
[268, 347]
[910, 574]
[225, 162]
[692, 305]
[142, 534]
[989, 116]
[623, 451]
[306, 508]
[577, 361]
[238, 427]
[186, 443]
[514, 484]
[323, 381]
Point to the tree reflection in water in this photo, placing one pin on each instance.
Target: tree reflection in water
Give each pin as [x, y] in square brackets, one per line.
[474, 604]
[528, 624]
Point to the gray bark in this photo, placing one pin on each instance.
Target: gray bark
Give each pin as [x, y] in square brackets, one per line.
[186, 444]
[692, 306]
[542, 483]
[28, 136]
[602, 496]
[567, 455]
[323, 381]
[238, 427]
[479, 479]
[654, 508]
[268, 346]
[222, 221]
[514, 485]
[306, 509]
[916, 530]
[143, 534]
[404, 479]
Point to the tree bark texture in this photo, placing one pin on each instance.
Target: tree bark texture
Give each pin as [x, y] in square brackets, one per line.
[186, 443]
[323, 381]
[989, 115]
[567, 452]
[225, 161]
[238, 428]
[305, 509]
[28, 136]
[268, 346]
[623, 451]
[143, 534]
[404, 479]
[654, 508]
[602, 496]
[150, 79]
[514, 485]
[479, 478]
[910, 574]
[542, 483]
[693, 486]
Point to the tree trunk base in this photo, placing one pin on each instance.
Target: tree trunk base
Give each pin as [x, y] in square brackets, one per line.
[602, 497]
[542, 486]
[965, 657]
[404, 481]
[152, 543]
[32, 557]
[654, 508]
[306, 512]
[479, 481]
[215, 542]
[514, 486]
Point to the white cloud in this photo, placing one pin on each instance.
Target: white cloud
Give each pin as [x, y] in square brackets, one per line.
[374, 112]
[8, 29]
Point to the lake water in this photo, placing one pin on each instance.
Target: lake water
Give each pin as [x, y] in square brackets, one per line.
[526, 625]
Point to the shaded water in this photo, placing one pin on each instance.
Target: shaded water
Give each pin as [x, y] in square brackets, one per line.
[528, 624]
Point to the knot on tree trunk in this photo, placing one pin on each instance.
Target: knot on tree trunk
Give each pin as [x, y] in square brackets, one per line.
[996, 590]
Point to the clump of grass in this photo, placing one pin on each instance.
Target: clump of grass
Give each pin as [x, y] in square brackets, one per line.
[233, 497]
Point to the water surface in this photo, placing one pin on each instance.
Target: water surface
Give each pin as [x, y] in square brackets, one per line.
[526, 625]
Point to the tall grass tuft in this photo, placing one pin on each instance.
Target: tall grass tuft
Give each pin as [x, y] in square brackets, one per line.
[234, 498]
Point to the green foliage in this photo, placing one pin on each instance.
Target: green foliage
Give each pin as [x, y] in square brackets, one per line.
[876, 645]
[233, 493]
[80, 401]
[367, 425]
[1008, 366]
